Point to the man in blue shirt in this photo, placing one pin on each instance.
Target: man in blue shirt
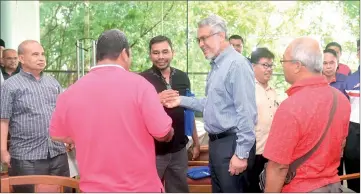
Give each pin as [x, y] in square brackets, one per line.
[352, 149]
[329, 70]
[229, 108]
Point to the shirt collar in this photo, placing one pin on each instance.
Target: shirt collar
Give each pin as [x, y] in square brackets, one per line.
[334, 79]
[268, 87]
[156, 71]
[106, 66]
[17, 70]
[311, 81]
[224, 53]
[29, 75]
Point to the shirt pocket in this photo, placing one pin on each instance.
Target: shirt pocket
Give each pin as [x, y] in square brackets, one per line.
[25, 101]
[50, 94]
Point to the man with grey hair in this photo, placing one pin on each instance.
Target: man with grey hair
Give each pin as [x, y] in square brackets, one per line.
[313, 119]
[229, 108]
[113, 129]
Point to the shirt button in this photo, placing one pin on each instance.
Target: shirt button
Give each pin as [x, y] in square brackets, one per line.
[270, 106]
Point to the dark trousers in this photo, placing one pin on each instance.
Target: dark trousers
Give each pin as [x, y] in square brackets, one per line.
[220, 154]
[340, 168]
[57, 165]
[258, 166]
[352, 155]
[172, 167]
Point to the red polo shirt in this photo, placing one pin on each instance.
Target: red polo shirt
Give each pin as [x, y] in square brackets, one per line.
[343, 69]
[112, 116]
[298, 125]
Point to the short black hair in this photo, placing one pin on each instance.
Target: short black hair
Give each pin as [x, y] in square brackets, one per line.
[334, 44]
[331, 51]
[238, 37]
[2, 43]
[261, 53]
[159, 39]
[110, 44]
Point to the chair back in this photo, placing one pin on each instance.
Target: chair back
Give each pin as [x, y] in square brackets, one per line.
[42, 183]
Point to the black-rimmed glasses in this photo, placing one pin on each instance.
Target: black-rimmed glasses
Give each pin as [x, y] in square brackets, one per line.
[267, 66]
[285, 61]
[204, 38]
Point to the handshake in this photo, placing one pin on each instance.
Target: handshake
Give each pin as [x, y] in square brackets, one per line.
[169, 98]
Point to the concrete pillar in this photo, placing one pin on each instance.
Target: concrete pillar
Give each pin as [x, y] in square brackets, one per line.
[20, 20]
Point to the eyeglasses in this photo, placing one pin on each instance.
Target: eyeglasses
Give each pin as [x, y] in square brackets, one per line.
[203, 39]
[285, 61]
[266, 66]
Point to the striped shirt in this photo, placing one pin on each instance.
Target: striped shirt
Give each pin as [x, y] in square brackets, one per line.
[230, 100]
[29, 104]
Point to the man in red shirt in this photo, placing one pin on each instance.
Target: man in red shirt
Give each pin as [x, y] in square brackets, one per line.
[300, 121]
[112, 116]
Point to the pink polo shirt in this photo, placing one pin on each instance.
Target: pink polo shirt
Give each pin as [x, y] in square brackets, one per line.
[112, 116]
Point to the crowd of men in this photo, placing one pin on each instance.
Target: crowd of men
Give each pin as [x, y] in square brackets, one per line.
[129, 128]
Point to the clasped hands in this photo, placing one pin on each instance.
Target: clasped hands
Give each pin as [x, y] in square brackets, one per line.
[169, 98]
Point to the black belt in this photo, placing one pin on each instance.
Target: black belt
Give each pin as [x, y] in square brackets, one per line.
[213, 137]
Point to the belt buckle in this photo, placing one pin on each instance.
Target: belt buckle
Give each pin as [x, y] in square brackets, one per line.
[215, 137]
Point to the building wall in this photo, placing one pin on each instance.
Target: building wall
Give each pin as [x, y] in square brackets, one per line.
[19, 21]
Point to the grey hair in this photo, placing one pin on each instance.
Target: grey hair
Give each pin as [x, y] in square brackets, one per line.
[217, 24]
[309, 55]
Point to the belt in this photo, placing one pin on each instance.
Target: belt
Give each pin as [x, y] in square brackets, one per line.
[213, 137]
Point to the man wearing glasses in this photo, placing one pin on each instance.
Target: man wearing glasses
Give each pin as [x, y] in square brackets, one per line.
[266, 100]
[300, 122]
[229, 108]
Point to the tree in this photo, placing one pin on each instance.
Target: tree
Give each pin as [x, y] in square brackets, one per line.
[269, 24]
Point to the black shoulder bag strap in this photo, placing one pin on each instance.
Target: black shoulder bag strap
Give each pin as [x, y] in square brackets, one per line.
[295, 164]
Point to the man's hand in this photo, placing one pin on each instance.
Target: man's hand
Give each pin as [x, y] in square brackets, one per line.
[237, 166]
[5, 157]
[172, 102]
[196, 151]
[167, 94]
[69, 147]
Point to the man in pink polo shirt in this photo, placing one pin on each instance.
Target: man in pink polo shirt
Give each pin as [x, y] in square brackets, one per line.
[112, 116]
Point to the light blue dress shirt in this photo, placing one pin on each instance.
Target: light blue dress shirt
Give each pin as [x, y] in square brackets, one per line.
[230, 102]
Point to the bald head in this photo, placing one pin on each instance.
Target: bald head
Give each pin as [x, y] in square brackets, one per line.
[9, 51]
[10, 60]
[303, 57]
[32, 56]
[308, 51]
[23, 45]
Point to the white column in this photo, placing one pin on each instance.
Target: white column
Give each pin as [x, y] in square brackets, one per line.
[20, 20]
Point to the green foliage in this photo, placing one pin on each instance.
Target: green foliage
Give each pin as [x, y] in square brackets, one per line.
[261, 23]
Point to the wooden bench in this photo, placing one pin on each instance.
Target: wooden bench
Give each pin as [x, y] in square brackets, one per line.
[42, 183]
[350, 176]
